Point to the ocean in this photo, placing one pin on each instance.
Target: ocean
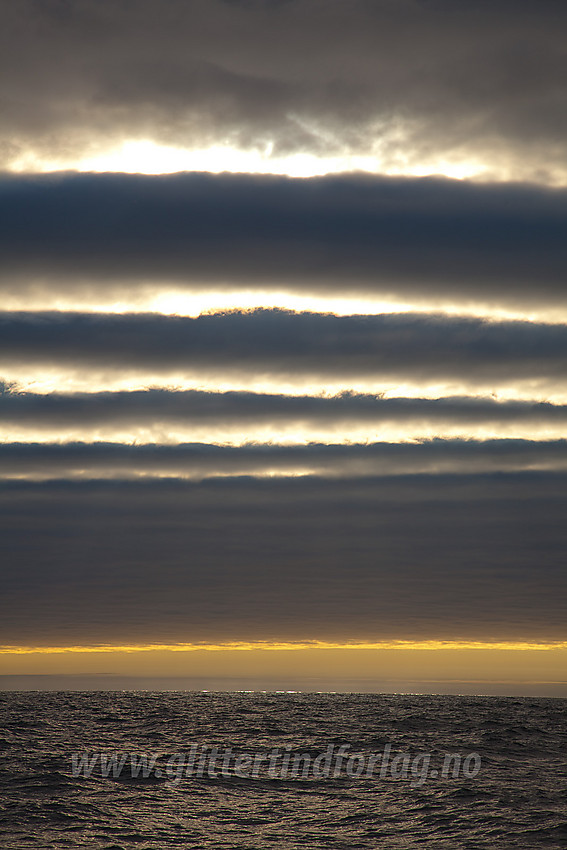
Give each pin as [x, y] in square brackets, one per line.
[143, 770]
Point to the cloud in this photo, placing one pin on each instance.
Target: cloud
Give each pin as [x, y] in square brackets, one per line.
[450, 538]
[247, 409]
[278, 344]
[202, 460]
[461, 556]
[422, 239]
[406, 82]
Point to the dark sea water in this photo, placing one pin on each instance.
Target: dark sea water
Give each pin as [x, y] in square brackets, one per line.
[511, 792]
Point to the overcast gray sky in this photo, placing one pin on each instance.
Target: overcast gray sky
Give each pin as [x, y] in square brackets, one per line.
[261, 406]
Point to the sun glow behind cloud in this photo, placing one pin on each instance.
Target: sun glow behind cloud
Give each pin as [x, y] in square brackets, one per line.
[145, 156]
[222, 433]
[61, 378]
[200, 300]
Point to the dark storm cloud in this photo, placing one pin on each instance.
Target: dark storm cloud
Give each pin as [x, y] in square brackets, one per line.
[113, 235]
[279, 343]
[201, 460]
[413, 77]
[245, 409]
[478, 556]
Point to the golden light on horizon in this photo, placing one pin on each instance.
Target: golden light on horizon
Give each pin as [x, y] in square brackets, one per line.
[270, 646]
[454, 661]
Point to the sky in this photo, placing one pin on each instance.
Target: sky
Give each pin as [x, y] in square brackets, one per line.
[283, 345]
